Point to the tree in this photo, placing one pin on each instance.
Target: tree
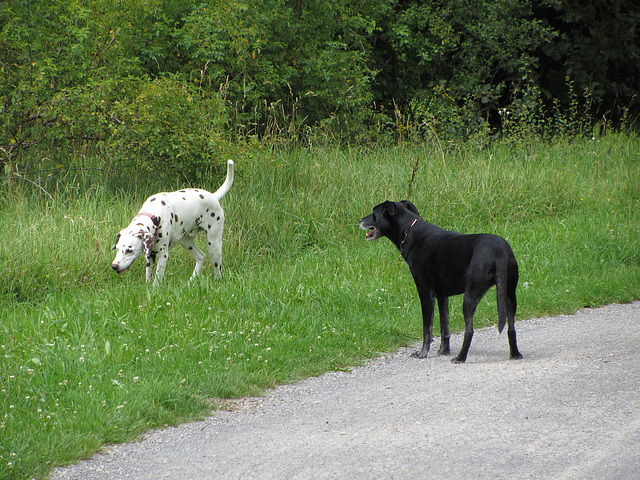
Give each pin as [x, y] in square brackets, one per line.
[598, 49]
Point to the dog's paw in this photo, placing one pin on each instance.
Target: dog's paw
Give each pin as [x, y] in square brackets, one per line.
[418, 354]
[444, 351]
[517, 356]
[458, 360]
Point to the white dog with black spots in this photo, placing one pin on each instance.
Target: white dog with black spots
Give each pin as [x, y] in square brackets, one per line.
[174, 217]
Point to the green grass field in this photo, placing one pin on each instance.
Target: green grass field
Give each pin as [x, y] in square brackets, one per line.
[88, 357]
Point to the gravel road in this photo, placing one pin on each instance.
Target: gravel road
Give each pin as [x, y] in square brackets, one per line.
[569, 410]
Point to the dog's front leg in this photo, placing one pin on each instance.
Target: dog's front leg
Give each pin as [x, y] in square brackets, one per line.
[445, 334]
[151, 263]
[427, 301]
[163, 256]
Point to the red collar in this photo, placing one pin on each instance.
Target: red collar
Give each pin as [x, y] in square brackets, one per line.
[154, 219]
[150, 215]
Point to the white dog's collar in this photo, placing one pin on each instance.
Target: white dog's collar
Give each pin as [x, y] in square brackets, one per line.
[153, 219]
[150, 215]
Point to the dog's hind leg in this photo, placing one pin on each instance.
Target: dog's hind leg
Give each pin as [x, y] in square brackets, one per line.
[514, 353]
[188, 242]
[428, 305]
[214, 245]
[469, 304]
[507, 304]
[506, 314]
[445, 334]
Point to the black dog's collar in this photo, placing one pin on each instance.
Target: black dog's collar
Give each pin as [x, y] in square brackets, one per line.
[406, 233]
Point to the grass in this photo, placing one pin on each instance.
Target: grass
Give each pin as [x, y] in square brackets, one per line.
[89, 358]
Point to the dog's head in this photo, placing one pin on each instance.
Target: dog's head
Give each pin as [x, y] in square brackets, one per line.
[132, 242]
[384, 219]
[128, 247]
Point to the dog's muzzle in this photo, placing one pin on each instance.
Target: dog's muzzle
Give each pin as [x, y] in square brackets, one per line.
[372, 231]
[116, 268]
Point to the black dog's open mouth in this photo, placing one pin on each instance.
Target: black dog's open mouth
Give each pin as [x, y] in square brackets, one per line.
[371, 233]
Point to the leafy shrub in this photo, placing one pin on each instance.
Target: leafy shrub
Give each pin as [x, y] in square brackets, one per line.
[167, 126]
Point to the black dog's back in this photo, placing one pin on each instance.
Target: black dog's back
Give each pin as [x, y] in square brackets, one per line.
[445, 263]
[450, 258]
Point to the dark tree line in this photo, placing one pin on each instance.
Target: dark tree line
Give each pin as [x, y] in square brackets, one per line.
[176, 79]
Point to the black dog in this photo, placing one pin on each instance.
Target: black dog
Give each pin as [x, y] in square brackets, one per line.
[445, 263]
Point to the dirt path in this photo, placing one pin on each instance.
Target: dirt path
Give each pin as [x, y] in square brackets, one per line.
[569, 410]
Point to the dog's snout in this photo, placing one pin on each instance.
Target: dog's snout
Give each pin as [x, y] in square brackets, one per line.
[115, 266]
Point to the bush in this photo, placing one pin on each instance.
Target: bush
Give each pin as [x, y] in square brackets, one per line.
[166, 126]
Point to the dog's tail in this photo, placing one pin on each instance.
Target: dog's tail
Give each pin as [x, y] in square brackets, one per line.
[502, 303]
[501, 293]
[506, 284]
[226, 186]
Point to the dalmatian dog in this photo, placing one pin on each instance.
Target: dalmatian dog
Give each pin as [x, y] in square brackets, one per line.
[175, 217]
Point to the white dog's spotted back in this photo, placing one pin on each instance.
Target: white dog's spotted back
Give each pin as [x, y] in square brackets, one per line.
[168, 218]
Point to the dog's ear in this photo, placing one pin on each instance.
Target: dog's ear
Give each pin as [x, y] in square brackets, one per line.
[117, 240]
[410, 206]
[389, 208]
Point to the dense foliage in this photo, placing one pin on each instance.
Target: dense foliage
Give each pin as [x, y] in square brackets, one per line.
[170, 84]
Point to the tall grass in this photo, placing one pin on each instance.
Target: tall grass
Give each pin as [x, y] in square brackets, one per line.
[88, 357]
